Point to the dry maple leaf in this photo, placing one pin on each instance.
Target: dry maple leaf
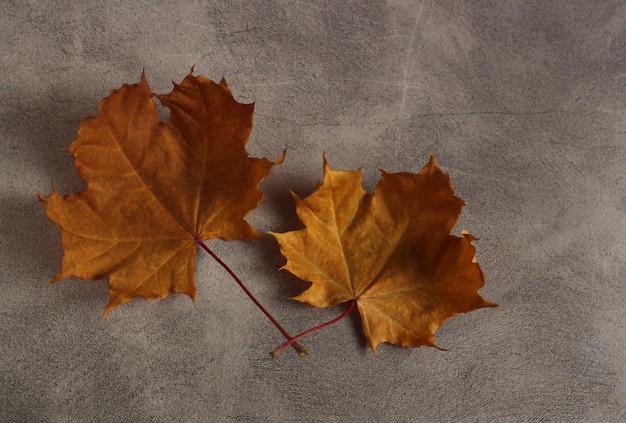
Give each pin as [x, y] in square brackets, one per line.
[390, 252]
[154, 190]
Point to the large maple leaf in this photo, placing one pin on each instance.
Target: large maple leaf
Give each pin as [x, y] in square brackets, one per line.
[391, 252]
[154, 190]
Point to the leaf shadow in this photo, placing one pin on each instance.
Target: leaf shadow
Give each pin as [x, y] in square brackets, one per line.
[284, 285]
[356, 327]
[45, 125]
[37, 127]
[279, 203]
[28, 237]
[31, 247]
[279, 208]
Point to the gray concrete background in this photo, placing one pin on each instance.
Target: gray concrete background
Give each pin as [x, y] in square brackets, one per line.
[524, 104]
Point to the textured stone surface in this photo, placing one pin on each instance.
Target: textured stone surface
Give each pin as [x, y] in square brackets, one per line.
[524, 104]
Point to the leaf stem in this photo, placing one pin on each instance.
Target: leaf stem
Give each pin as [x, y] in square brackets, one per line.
[280, 349]
[300, 349]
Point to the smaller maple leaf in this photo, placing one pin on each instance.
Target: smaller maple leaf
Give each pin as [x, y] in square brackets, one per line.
[390, 252]
[154, 190]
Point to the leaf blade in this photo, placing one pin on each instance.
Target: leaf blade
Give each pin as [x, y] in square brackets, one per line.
[406, 271]
[151, 192]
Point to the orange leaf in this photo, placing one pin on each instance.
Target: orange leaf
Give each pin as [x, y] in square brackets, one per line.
[391, 252]
[153, 190]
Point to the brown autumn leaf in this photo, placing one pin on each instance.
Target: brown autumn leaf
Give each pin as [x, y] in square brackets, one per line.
[391, 252]
[154, 190]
